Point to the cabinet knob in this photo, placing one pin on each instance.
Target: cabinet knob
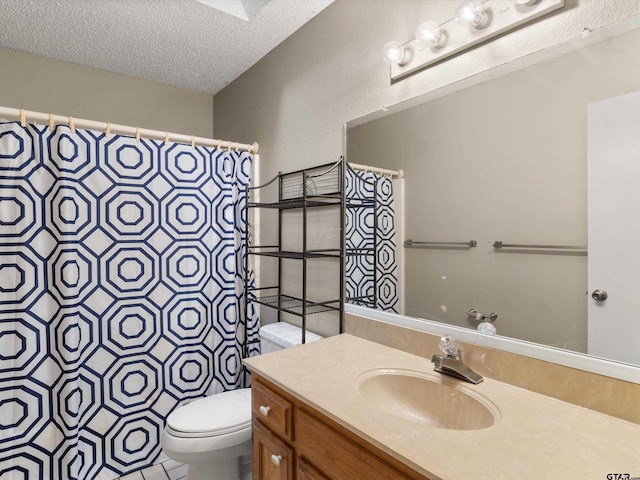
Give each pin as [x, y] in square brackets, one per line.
[264, 410]
[276, 459]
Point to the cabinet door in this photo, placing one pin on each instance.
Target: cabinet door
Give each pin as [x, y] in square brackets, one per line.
[272, 458]
[337, 456]
[306, 471]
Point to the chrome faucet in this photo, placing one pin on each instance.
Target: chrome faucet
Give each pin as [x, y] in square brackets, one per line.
[451, 363]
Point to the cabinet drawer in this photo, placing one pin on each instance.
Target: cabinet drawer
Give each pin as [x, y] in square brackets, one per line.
[272, 410]
[338, 457]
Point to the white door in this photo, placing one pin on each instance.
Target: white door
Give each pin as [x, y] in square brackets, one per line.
[614, 227]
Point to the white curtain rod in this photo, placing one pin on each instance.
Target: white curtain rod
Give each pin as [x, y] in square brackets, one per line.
[52, 120]
[379, 171]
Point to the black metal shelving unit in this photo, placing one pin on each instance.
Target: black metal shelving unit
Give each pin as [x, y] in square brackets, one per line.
[302, 190]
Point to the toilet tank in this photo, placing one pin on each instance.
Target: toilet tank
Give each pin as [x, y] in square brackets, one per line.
[277, 336]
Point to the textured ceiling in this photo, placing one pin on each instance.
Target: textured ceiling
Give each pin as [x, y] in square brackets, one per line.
[183, 43]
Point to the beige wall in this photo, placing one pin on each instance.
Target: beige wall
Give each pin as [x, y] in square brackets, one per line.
[295, 101]
[51, 86]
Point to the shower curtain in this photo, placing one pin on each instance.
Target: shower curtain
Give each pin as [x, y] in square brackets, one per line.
[121, 294]
[371, 283]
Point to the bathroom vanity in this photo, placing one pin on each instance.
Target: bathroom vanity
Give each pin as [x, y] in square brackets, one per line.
[347, 408]
[290, 435]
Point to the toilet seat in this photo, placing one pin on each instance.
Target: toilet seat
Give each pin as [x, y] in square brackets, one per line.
[221, 414]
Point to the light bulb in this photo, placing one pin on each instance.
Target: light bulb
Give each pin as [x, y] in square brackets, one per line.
[395, 54]
[471, 14]
[428, 34]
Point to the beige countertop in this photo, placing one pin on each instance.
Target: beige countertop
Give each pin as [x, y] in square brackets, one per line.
[536, 437]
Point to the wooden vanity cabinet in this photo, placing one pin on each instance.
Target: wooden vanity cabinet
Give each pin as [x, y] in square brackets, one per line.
[306, 471]
[293, 441]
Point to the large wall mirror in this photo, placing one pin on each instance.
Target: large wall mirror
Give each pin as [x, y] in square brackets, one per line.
[506, 160]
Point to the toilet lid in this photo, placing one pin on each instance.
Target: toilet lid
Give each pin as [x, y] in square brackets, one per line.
[218, 414]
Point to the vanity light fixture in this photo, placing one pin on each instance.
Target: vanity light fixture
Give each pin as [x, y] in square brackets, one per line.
[475, 22]
[525, 2]
[395, 54]
[428, 34]
[471, 13]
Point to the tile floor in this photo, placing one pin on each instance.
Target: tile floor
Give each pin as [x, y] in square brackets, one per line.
[167, 470]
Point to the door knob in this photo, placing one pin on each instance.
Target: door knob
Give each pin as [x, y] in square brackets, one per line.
[599, 295]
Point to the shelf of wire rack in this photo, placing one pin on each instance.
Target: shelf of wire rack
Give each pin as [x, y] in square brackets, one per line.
[310, 202]
[295, 305]
[324, 253]
[362, 301]
[360, 203]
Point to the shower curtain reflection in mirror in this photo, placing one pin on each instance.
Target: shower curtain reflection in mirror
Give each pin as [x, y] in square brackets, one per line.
[371, 277]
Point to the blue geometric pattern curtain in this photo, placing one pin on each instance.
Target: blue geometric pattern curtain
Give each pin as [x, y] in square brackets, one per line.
[121, 294]
[371, 231]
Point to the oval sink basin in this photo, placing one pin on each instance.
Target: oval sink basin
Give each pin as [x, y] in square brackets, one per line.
[427, 399]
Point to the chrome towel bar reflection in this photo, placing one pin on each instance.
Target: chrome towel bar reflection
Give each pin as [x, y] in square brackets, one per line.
[566, 248]
[412, 244]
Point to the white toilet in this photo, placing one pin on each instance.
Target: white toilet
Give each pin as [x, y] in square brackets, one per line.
[213, 434]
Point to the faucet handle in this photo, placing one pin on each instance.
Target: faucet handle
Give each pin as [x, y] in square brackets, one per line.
[449, 345]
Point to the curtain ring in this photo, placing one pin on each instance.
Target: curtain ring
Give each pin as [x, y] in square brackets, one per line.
[137, 134]
[108, 130]
[166, 138]
[228, 147]
[72, 125]
[193, 141]
[23, 118]
[52, 123]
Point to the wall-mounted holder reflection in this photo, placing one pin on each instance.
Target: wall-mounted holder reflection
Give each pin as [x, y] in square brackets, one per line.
[569, 249]
[413, 244]
[473, 314]
[485, 322]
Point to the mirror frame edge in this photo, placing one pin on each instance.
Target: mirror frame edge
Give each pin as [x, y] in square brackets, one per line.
[587, 363]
